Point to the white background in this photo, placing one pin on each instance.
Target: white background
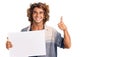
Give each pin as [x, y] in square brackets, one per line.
[94, 25]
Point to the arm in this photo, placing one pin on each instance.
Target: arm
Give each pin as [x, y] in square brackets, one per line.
[67, 40]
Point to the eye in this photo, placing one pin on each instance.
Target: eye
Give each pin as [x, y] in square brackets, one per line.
[34, 12]
[41, 12]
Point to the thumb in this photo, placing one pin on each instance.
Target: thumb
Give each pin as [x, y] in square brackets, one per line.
[61, 19]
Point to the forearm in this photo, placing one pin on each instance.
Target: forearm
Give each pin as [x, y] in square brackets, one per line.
[67, 40]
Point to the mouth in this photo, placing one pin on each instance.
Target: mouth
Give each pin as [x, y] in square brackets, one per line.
[38, 18]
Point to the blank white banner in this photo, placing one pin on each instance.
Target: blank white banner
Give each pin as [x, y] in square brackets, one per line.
[27, 44]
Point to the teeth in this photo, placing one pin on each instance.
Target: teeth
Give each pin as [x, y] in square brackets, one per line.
[38, 18]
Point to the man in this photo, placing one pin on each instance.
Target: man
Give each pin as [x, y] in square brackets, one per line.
[38, 15]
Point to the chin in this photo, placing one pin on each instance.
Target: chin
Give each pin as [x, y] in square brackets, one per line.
[37, 21]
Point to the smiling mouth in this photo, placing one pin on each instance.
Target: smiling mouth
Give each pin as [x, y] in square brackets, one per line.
[38, 18]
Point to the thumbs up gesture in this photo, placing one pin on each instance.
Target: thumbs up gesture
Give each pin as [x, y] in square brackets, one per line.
[61, 24]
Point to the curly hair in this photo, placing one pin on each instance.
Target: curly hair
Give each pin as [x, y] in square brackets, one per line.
[39, 5]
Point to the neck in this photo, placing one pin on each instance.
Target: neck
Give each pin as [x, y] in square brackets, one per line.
[37, 26]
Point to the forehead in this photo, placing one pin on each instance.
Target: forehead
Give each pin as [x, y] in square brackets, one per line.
[38, 9]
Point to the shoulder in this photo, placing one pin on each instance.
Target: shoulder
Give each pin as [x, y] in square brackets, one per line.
[25, 29]
[49, 28]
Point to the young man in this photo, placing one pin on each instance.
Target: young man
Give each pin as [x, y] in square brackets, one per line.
[38, 14]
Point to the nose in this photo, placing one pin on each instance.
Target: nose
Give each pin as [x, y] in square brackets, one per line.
[37, 14]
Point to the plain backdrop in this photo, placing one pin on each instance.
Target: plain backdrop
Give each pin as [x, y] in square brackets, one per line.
[94, 25]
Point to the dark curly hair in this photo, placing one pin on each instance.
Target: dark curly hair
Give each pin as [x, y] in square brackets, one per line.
[39, 5]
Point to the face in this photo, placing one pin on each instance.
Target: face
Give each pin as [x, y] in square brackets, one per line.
[38, 15]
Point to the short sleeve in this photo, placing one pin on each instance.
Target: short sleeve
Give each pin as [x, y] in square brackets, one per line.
[59, 40]
[25, 29]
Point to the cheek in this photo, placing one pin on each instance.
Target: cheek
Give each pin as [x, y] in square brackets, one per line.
[42, 14]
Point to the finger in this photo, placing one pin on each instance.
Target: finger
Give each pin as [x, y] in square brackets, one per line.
[61, 19]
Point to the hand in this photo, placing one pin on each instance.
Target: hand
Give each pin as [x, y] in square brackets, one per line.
[8, 44]
[61, 25]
